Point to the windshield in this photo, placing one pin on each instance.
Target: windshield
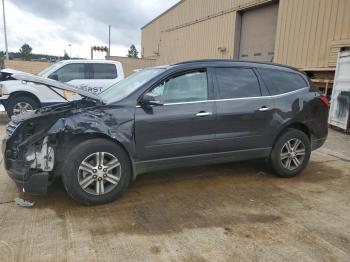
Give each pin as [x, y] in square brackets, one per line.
[42, 73]
[125, 87]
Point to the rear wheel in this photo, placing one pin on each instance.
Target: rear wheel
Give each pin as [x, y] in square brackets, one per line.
[98, 171]
[21, 104]
[291, 153]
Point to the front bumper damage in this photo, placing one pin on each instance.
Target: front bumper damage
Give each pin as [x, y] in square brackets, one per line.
[31, 173]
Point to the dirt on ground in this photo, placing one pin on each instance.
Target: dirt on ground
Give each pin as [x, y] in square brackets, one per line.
[228, 212]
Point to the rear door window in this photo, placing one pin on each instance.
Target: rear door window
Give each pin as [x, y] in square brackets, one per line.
[280, 82]
[104, 71]
[236, 83]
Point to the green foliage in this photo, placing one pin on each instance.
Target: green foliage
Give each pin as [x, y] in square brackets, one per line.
[26, 52]
[65, 56]
[40, 57]
[133, 52]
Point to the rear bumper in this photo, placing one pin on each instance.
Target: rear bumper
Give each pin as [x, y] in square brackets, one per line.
[317, 143]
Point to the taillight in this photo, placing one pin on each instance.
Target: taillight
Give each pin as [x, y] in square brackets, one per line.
[324, 100]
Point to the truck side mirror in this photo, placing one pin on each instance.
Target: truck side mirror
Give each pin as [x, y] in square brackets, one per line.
[54, 77]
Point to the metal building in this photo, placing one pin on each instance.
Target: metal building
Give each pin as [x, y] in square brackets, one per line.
[306, 34]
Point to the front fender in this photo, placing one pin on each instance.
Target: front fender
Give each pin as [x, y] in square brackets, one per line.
[10, 87]
[99, 122]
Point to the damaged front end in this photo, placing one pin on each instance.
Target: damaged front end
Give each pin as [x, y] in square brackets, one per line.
[37, 143]
[29, 148]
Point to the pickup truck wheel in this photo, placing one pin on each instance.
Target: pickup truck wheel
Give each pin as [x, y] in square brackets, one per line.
[20, 104]
[291, 153]
[98, 171]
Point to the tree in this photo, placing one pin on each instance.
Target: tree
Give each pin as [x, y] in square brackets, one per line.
[26, 52]
[133, 52]
[66, 56]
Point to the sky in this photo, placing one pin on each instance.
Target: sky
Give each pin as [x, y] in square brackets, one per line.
[52, 26]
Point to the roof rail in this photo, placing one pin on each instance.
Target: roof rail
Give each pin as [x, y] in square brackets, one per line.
[236, 61]
[205, 60]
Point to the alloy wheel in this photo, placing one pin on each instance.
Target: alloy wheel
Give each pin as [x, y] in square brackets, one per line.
[99, 173]
[292, 154]
[22, 107]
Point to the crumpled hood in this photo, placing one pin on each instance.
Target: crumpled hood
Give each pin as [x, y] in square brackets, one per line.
[54, 109]
[6, 75]
[9, 71]
[52, 83]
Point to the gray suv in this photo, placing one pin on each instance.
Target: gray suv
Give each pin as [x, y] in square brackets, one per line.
[191, 113]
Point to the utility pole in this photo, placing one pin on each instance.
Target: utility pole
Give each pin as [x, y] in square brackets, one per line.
[70, 51]
[3, 14]
[109, 41]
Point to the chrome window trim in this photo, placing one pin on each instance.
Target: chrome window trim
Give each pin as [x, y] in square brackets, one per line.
[233, 99]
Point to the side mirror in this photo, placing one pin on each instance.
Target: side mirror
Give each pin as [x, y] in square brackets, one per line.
[150, 99]
[54, 77]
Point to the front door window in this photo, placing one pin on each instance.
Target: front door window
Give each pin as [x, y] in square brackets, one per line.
[189, 87]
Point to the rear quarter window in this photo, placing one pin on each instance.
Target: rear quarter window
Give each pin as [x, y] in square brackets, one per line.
[280, 82]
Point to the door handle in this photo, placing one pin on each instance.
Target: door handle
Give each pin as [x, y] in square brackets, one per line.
[264, 108]
[202, 113]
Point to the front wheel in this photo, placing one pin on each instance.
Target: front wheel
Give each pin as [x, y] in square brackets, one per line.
[291, 153]
[98, 171]
[20, 104]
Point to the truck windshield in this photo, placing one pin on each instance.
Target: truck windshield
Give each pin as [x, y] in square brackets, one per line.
[48, 69]
[127, 86]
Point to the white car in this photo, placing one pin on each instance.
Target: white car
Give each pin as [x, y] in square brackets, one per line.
[90, 75]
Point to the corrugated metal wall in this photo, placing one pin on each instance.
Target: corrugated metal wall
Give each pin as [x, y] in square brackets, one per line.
[199, 27]
[184, 48]
[309, 32]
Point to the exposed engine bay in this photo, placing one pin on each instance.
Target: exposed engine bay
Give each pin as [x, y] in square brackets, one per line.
[41, 158]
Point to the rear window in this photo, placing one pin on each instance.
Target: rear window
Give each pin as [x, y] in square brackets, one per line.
[104, 71]
[280, 82]
[236, 83]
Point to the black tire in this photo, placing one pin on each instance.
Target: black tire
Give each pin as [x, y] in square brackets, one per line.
[20, 99]
[81, 152]
[276, 162]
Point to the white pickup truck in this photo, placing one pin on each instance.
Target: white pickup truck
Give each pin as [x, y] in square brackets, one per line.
[90, 75]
